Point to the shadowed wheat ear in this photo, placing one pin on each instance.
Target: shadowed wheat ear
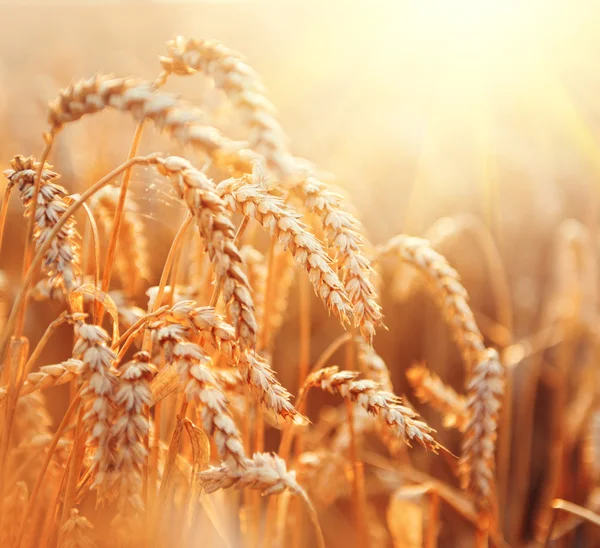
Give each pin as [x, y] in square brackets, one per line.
[185, 317]
[282, 223]
[444, 283]
[245, 90]
[130, 430]
[77, 532]
[430, 389]
[131, 259]
[218, 234]
[61, 261]
[171, 115]
[100, 381]
[372, 364]
[485, 388]
[404, 422]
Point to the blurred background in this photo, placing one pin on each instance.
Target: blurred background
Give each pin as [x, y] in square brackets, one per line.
[419, 110]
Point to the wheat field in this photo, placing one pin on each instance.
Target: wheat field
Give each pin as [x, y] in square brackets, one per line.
[283, 274]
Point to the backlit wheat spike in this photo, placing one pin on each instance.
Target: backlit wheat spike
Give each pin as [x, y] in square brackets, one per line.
[77, 532]
[218, 235]
[100, 382]
[201, 386]
[243, 87]
[131, 260]
[263, 471]
[402, 421]
[47, 376]
[254, 369]
[445, 284]
[430, 389]
[485, 389]
[61, 261]
[130, 430]
[255, 202]
[171, 115]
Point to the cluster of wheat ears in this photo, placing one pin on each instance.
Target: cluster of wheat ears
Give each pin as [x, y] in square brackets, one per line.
[162, 441]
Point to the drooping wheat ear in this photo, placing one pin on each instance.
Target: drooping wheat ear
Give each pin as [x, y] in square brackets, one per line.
[372, 364]
[139, 98]
[344, 236]
[263, 471]
[130, 430]
[77, 532]
[100, 381]
[61, 261]
[47, 376]
[430, 389]
[218, 235]
[445, 284]
[253, 201]
[485, 388]
[254, 369]
[132, 259]
[404, 422]
[202, 387]
[244, 89]
[257, 277]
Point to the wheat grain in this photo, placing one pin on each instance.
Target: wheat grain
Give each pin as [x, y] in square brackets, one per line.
[61, 261]
[430, 389]
[445, 284]
[485, 388]
[401, 420]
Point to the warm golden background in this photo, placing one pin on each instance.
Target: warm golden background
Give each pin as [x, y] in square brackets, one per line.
[419, 110]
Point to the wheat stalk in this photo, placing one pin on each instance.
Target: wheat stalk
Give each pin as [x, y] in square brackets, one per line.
[401, 420]
[61, 261]
[430, 389]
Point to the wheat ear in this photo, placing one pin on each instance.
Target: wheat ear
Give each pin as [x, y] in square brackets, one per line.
[445, 284]
[169, 114]
[404, 422]
[218, 234]
[77, 532]
[131, 261]
[485, 389]
[430, 389]
[61, 261]
[100, 378]
[253, 201]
